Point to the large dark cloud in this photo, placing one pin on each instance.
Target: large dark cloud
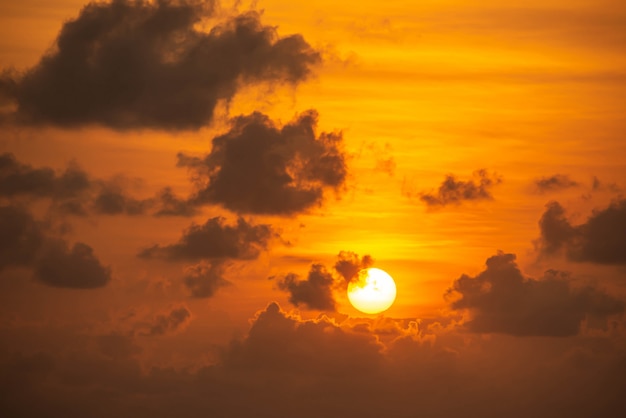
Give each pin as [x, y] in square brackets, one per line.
[601, 239]
[501, 300]
[453, 191]
[215, 240]
[258, 167]
[133, 64]
[76, 268]
[554, 183]
[25, 242]
[314, 292]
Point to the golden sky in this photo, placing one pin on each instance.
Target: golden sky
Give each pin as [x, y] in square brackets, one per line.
[474, 150]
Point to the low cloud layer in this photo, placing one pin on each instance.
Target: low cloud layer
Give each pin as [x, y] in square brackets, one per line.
[215, 239]
[501, 300]
[453, 191]
[134, 64]
[601, 239]
[25, 242]
[258, 167]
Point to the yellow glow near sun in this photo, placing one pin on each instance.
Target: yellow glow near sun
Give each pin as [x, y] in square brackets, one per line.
[372, 291]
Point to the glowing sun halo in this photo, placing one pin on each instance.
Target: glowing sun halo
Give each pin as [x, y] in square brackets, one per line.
[372, 291]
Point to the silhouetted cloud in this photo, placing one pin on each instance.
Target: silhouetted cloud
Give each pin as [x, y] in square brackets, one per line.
[17, 179]
[76, 268]
[453, 191]
[135, 64]
[24, 242]
[554, 183]
[205, 278]
[112, 200]
[599, 240]
[170, 322]
[168, 204]
[21, 237]
[257, 167]
[501, 300]
[315, 292]
[215, 240]
[74, 192]
[349, 264]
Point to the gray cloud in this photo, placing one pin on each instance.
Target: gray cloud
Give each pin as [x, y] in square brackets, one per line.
[554, 183]
[258, 167]
[453, 191]
[215, 240]
[501, 300]
[135, 64]
[205, 278]
[601, 239]
[314, 292]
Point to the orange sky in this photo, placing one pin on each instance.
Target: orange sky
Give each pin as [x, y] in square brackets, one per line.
[419, 90]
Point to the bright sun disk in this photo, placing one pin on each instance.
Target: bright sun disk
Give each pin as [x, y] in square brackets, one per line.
[372, 291]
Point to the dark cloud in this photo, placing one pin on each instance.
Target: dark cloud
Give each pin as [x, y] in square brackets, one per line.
[17, 179]
[21, 237]
[349, 264]
[279, 342]
[25, 242]
[601, 239]
[168, 204]
[597, 185]
[205, 278]
[453, 191]
[113, 200]
[554, 183]
[257, 167]
[315, 292]
[501, 300]
[215, 240]
[74, 192]
[136, 64]
[170, 322]
[76, 268]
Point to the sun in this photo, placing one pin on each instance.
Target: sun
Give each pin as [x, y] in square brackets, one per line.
[372, 291]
